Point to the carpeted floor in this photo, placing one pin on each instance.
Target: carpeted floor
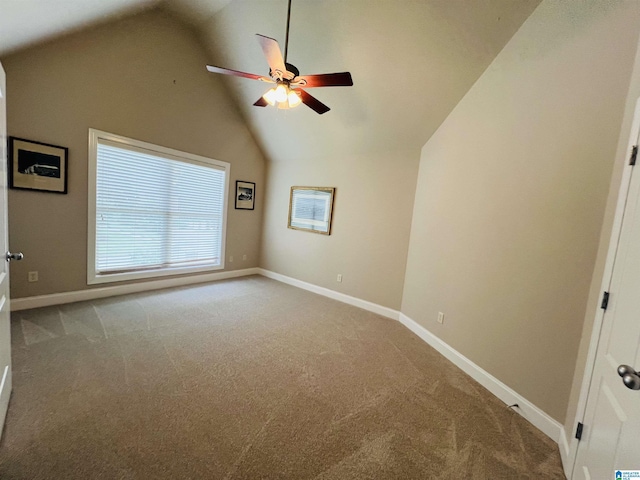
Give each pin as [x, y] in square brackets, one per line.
[249, 379]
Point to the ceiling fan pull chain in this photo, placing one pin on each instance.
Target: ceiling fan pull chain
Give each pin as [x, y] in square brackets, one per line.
[286, 41]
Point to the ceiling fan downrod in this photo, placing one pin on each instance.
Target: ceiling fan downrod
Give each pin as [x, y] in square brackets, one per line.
[286, 41]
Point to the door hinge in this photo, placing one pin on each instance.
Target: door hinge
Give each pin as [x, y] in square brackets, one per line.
[634, 155]
[605, 301]
[579, 431]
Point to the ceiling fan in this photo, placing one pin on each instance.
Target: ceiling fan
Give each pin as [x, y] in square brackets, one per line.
[288, 92]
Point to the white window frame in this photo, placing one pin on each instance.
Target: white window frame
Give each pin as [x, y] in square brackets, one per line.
[93, 277]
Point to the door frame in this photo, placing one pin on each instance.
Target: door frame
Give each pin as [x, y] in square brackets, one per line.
[6, 383]
[607, 275]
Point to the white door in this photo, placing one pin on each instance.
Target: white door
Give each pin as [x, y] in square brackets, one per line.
[5, 331]
[611, 433]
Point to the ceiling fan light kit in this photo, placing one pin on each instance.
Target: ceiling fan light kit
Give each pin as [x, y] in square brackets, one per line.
[288, 92]
[283, 96]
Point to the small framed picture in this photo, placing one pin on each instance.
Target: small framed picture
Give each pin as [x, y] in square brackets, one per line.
[245, 195]
[37, 166]
[311, 209]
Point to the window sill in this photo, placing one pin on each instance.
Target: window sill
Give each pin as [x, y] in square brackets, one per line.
[93, 278]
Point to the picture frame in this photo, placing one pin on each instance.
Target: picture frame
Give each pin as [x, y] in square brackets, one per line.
[245, 195]
[311, 209]
[37, 166]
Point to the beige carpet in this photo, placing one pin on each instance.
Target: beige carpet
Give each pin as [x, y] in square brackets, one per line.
[249, 379]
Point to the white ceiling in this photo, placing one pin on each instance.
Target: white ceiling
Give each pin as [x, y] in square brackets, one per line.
[24, 22]
[196, 11]
[411, 60]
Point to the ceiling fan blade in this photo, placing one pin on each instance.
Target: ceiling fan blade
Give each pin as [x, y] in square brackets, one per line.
[273, 53]
[261, 102]
[342, 79]
[312, 102]
[237, 73]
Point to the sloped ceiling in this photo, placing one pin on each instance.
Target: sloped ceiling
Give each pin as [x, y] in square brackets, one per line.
[27, 22]
[411, 61]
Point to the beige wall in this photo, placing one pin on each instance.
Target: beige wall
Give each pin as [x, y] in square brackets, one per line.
[511, 195]
[595, 292]
[144, 78]
[370, 229]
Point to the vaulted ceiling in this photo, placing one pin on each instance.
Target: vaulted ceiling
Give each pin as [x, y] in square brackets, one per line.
[411, 60]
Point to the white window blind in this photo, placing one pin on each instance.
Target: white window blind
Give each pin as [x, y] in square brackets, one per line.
[156, 212]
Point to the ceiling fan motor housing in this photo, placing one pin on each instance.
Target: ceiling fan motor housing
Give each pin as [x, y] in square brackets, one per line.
[291, 73]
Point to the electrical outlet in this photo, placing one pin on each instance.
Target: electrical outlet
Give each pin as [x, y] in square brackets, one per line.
[339, 279]
[244, 257]
[440, 317]
[231, 259]
[33, 276]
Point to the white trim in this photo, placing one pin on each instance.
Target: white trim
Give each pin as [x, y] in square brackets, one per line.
[93, 293]
[528, 410]
[607, 275]
[565, 452]
[341, 297]
[95, 136]
[4, 378]
[91, 204]
[144, 274]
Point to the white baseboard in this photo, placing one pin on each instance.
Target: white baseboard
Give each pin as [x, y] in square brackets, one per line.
[528, 410]
[341, 297]
[102, 292]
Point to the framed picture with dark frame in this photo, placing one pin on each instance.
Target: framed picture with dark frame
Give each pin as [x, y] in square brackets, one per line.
[311, 209]
[245, 195]
[37, 166]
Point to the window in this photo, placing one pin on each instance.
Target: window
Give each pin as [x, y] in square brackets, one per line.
[153, 211]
